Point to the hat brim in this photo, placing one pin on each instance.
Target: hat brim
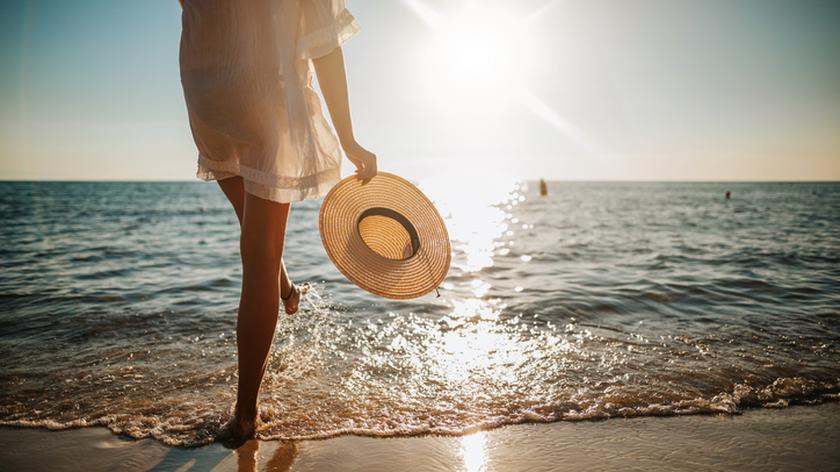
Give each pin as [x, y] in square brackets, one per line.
[399, 279]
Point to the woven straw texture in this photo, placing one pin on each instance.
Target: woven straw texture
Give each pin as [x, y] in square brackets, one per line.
[385, 236]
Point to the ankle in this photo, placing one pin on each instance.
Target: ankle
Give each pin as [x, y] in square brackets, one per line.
[245, 415]
[287, 294]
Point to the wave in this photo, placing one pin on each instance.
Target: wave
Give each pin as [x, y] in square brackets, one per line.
[194, 432]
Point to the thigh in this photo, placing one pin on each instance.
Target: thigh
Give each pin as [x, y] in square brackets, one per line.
[234, 190]
[263, 229]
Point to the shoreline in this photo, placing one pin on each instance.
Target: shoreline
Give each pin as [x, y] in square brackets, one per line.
[802, 437]
[741, 401]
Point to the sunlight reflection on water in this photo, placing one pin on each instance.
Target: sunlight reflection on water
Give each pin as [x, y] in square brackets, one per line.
[476, 216]
[595, 301]
[475, 454]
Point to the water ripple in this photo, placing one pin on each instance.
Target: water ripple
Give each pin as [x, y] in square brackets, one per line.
[118, 304]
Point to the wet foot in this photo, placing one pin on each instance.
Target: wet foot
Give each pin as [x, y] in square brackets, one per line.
[236, 432]
[291, 301]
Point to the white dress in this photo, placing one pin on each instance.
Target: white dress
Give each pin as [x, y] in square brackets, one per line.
[247, 79]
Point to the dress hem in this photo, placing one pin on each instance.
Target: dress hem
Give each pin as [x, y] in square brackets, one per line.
[278, 189]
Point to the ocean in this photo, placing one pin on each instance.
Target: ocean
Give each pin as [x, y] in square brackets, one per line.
[600, 300]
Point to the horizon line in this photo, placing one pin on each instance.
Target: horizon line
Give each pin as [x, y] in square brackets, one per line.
[527, 179]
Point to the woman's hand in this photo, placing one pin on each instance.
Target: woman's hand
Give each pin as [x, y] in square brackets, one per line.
[364, 160]
[333, 80]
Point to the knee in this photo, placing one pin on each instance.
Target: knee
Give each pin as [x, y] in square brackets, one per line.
[260, 254]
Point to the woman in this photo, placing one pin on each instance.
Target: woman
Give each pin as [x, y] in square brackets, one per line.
[260, 132]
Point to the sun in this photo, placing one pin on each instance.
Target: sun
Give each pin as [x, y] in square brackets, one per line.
[480, 57]
[479, 62]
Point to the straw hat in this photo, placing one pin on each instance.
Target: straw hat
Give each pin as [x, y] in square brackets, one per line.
[385, 236]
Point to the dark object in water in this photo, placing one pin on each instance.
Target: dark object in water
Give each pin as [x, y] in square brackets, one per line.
[728, 194]
[544, 188]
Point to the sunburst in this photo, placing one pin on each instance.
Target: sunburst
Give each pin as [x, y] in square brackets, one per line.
[481, 58]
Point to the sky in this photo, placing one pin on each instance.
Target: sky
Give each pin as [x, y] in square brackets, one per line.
[564, 89]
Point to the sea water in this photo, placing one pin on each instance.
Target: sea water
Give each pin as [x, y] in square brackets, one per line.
[118, 306]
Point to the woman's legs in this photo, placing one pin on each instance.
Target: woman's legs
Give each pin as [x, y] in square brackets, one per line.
[263, 228]
[234, 190]
[261, 246]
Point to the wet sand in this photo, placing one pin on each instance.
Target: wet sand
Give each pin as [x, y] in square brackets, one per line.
[795, 438]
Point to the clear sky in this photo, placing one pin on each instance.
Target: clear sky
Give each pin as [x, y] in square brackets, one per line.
[574, 89]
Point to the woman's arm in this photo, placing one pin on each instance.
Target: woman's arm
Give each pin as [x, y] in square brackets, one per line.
[333, 81]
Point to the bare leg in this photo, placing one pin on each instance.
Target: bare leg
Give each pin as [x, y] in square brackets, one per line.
[234, 190]
[261, 246]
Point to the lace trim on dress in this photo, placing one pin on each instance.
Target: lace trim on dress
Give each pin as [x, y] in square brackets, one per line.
[269, 186]
[323, 40]
[291, 195]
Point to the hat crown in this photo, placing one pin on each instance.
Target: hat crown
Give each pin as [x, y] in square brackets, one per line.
[388, 233]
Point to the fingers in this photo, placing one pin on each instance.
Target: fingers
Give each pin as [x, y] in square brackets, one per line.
[365, 174]
[366, 168]
[370, 168]
[364, 160]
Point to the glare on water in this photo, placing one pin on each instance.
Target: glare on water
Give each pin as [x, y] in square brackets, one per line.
[477, 214]
[597, 301]
[475, 455]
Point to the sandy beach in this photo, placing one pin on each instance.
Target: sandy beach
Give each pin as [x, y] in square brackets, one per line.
[795, 438]
[528, 236]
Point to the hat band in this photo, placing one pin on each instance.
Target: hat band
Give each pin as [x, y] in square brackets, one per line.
[388, 233]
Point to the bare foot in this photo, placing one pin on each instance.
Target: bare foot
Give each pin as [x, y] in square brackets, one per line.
[236, 432]
[291, 301]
